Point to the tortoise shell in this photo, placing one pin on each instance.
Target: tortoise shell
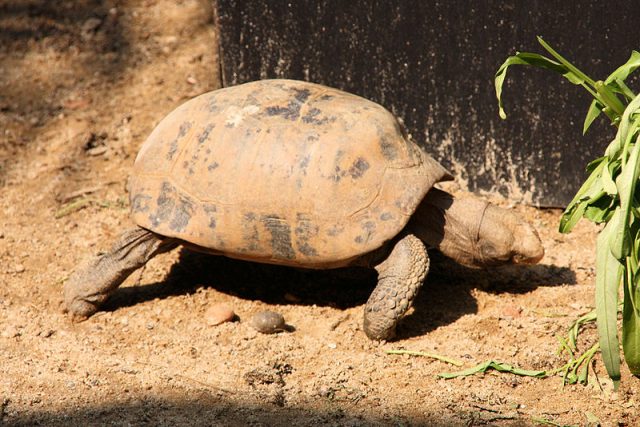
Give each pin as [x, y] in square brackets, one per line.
[280, 171]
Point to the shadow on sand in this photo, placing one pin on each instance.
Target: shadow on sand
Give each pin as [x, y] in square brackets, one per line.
[445, 296]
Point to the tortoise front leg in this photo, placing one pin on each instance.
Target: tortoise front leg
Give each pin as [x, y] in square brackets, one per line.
[400, 276]
[91, 284]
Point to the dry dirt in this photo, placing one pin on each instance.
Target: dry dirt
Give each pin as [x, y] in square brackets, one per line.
[81, 85]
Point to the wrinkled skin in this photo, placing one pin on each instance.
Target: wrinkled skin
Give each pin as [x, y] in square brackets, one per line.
[475, 233]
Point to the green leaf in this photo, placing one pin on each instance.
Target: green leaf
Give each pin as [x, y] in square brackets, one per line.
[544, 421]
[608, 275]
[423, 354]
[619, 87]
[622, 136]
[571, 69]
[500, 367]
[608, 184]
[608, 97]
[533, 59]
[590, 187]
[601, 210]
[571, 217]
[631, 326]
[623, 71]
[595, 163]
[594, 111]
[626, 184]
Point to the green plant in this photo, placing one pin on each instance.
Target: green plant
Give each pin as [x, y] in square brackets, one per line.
[608, 196]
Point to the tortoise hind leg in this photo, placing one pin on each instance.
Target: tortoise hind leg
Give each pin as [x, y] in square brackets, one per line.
[91, 284]
[400, 276]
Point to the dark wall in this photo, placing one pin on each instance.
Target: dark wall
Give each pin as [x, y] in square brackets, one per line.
[432, 63]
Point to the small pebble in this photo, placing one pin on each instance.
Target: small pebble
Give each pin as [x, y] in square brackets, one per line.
[219, 313]
[91, 24]
[97, 151]
[267, 322]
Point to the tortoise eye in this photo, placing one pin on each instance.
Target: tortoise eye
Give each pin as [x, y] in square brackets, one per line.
[488, 250]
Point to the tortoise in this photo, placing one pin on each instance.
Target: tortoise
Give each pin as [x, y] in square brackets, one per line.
[299, 174]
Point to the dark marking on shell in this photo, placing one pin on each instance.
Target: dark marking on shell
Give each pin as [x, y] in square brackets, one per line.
[140, 203]
[326, 97]
[358, 168]
[250, 233]
[213, 105]
[172, 206]
[189, 165]
[280, 236]
[313, 117]
[292, 110]
[210, 210]
[205, 134]
[313, 137]
[212, 166]
[301, 95]
[337, 176]
[338, 172]
[306, 249]
[305, 230]
[173, 147]
[182, 214]
[388, 148]
[165, 204]
[386, 216]
[304, 163]
[385, 141]
[335, 230]
[252, 100]
[369, 228]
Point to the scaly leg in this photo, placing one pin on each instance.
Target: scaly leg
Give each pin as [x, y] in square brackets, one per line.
[400, 276]
[91, 284]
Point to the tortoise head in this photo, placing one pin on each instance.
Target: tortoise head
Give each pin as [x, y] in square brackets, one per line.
[503, 237]
[475, 233]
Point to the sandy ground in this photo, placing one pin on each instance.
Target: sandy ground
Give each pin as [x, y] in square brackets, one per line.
[81, 85]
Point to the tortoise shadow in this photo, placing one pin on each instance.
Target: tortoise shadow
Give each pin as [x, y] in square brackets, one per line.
[447, 293]
[445, 297]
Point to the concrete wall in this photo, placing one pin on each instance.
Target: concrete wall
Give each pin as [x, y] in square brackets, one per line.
[432, 63]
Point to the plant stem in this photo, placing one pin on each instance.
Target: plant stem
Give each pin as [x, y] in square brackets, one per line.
[431, 355]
